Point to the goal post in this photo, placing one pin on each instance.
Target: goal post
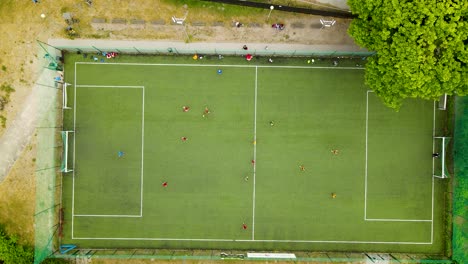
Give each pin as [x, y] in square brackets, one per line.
[64, 96]
[439, 156]
[443, 102]
[64, 166]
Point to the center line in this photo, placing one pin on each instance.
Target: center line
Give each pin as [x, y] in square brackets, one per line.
[254, 155]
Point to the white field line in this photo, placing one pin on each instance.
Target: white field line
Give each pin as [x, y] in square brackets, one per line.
[250, 240]
[111, 86]
[90, 215]
[433, 149]
[365, 181]
[398, 220]
[365, 167]
[142, 149]
[142, 153]
[74, 149]
[214, 65]
[254, 154]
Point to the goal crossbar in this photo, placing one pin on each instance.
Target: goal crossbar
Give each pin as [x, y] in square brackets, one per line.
[64, 166]
[443, 173]
[64, 96]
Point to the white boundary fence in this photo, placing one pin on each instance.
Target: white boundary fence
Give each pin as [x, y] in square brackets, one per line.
[166, 47]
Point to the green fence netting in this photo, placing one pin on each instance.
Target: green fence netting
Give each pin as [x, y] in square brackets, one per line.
[265, 51]
[215, 255]
[460, 194]
[48, 155]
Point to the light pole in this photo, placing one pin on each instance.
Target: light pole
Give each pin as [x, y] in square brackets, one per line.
[271, 9]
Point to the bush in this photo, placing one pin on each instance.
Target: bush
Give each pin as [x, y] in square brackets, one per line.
[54, 261]
[13, 253]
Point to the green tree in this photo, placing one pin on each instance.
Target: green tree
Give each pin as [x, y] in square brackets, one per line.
[421, 47]
[13, 253]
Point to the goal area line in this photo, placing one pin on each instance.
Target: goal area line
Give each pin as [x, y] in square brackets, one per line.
[91, 215]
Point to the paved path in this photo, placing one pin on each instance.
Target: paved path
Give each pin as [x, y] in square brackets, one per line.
[20, 131]
[133, 46]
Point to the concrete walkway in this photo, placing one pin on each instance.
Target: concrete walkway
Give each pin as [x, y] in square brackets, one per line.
[19, 133]
[200, 47]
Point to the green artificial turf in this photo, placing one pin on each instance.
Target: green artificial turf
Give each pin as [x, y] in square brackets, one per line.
[296, 116]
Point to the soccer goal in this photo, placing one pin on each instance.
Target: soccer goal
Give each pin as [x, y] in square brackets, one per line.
[440, 166]
[443, 102]
[65, 137]
[64, 96]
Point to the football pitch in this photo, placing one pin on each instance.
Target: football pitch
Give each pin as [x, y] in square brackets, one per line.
[264, 157]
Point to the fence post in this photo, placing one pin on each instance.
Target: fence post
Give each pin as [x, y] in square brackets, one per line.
[137, 50]
[96, 48]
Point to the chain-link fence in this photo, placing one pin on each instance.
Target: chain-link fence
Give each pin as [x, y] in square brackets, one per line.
[180, 48]
[319, 257]
[48, 152]
[460, 186]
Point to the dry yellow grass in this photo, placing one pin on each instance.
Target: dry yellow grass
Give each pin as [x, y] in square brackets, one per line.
[18, 195]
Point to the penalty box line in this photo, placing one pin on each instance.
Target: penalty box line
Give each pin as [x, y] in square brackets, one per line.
[142, 154]
[365, 180]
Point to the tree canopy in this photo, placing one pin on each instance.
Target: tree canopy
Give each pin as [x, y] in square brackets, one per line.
[421, 47]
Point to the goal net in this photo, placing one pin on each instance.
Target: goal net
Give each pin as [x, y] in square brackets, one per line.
[65, 163]
[439, 156]
[64, 96]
